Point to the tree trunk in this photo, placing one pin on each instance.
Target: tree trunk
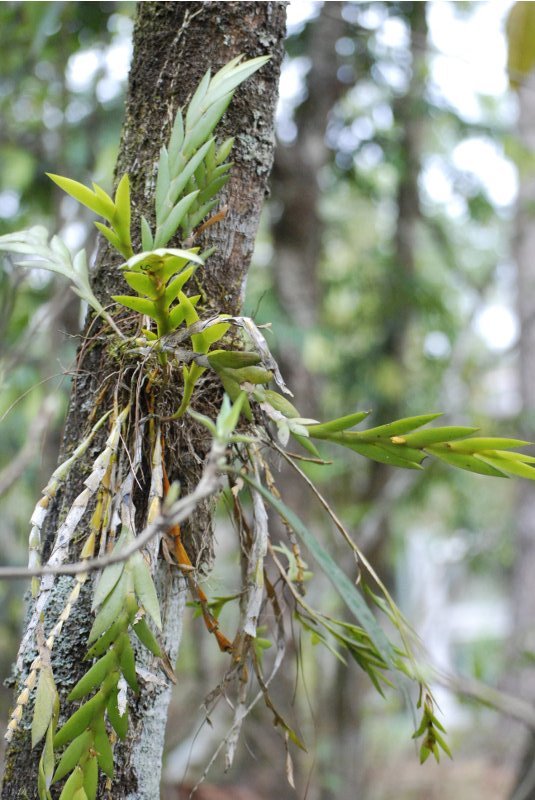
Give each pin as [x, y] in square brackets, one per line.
[174, 44]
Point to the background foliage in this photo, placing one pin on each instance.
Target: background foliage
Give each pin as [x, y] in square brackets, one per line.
[392, 288]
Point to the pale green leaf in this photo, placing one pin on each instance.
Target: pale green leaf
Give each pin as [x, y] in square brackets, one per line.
[140, 304]
[336, 425]
[72, 754]
[80, 720]
[45, 699]
[175, 286]
[80, 193]
[108, 207]
[145, 589]
[112, 238]
[169, 227]
[147, 239]
[111, 608]
[73, 785]
[94, 676]
[195, 104]
[128, 663]
[465, 461]
[103, 749]
[141, 283]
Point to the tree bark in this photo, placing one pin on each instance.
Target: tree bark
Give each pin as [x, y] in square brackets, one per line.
[174, 44]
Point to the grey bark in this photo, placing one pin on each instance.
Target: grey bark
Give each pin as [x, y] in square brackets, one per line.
[523, 597]
[174, 44]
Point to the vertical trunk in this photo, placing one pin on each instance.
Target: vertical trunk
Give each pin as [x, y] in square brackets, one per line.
[297, 234]
[174, 44]
[524, 567]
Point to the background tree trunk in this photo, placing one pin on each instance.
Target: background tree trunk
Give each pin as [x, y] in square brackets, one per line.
[524, 566]
[174, 44]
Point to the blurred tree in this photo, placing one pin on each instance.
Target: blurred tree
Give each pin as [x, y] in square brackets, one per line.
[521, 42]
[62, 77]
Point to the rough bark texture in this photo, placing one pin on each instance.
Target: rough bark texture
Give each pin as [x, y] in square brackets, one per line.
[174, 44]
[524, 567]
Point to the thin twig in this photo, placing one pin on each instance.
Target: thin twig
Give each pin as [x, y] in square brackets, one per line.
[209, 484]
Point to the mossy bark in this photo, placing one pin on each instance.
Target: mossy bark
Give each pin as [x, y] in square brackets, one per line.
[174, 44]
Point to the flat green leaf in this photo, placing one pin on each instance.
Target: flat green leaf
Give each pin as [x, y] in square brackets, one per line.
[42, 789]
[224, 150]
[214, 333]
[102, 644]
[187, 303]
[380, 453]
[107, 204]
[477, 444]
[177, 315]
[47, 762]
[141, 283]
[107, 581]
[437, 435]
[155, 259]
[234, 390]
[118, 722]
[128, 663]
[146, 637]
[111, 608]
[103, 749]
[175, 285]
[278, 402]
[226, 80]
[195, 103]
[147, 239]
[73, 784]
[139, 304]
[94, 676]
[91, 778]
[112, 238]
[196, 216]
[180, 182]
[255, 375]
[169, 226]
[232, 359]
[177, 138]
[163, 182]
[145, 589]
[80, 192]
[72, 754]
[215, 186]
[465, 461]
[45, 699]
[80, 794]
[305, 442]
[399, 427]
[509, 466]
[202, 130]
[336, 425]
[121, 218]
[80, 720]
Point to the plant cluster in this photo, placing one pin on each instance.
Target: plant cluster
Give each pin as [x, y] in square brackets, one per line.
[175, 334]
